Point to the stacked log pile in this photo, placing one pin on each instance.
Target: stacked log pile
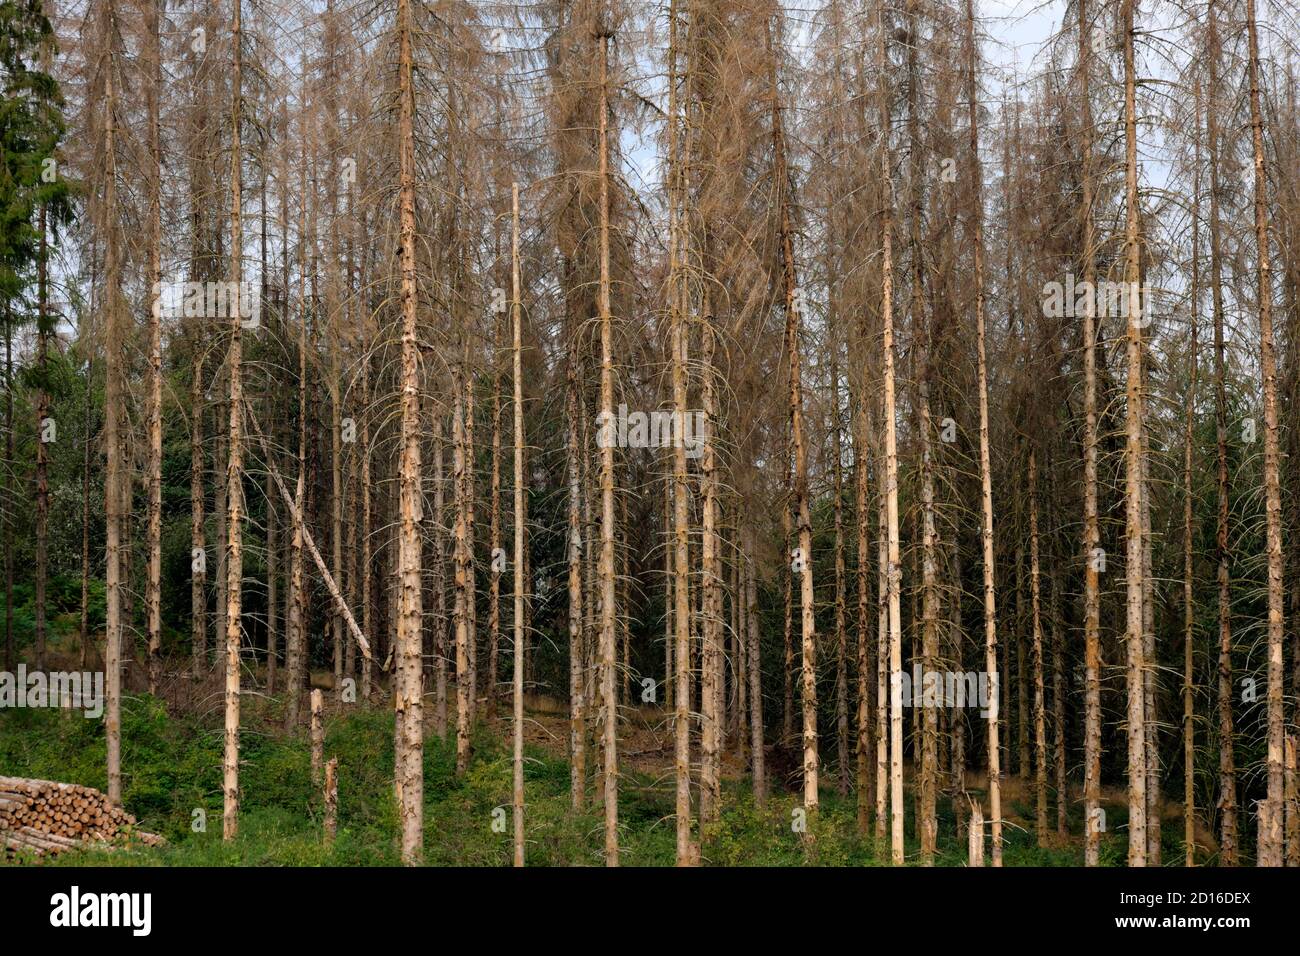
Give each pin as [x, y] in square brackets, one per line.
[45, 816]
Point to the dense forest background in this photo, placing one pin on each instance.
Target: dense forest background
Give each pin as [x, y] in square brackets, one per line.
[836, 235]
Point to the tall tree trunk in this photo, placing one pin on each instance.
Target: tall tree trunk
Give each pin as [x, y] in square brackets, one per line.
[295, 651]
[9, 457]
[1150, 673]
[272, 536]
[803, 519]
[865, 651]
[1024, 728]
[787, 634]
[1058, 698]
[198, 536]
[272, 584]
[471, 565]
[893, 567]
[1189, 603]
[608, 618]
[113, 477]
[1228, 848]
[520, 518]
[1091, 529]
[927, 825]
[986, 480]
[494, 528]
[678, 303]
[749, 621]
[440, 649]
[841, 633]
[333, 314]
[10, 651]
[577, 652]
[669, 626]
[711, 650]
[1135, 667]
[234, 464]
[1271, 853]
[153, 584]
[1040, 723]
[336, 442]
[407, 696]
[884, 772]
[367, 557]
[84, 627]
[86, 439]
[42, 455]
[463, 593]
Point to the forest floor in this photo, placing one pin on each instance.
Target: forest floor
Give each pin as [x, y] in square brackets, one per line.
[171, 758]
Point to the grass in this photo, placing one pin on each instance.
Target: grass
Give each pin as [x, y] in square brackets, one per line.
[172, 783]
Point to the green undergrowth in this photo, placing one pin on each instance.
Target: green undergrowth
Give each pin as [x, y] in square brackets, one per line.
[172, 784]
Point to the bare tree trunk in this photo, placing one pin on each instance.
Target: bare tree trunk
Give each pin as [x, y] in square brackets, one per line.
[440, 649]
[591, 641]
[153, 534]
[787, 645]
[1150, 675]
[749, 621]
[1228, 839]
[471, 565]
[220, 459]
[336, 445]
[198, 542]
[1292, 815]
[268, 488]
[865, 649]
[367, 555]
[884, 771]
[295, 651]
[272, 584]
[463, 594]
[1058, 700]
[1023, 706]
[520, 518]
[1135, 667]
[9, 457]
[711, 650]
[927, 824]
[841, 633]
[351, 593]
[1091, 530]
[494, 528]
[803, 519]
[407, 696]
[669, 626]
[1271, 852]
[113, 477]
[1189, 604]
[679, 669]
[608, 618]
[280, 552]
[234, 464]
[731, 707]
[42, 455]
[577, 652]
[331, 800]
[893, 566]
[1040, 723]
[317, 734]
[84, 627]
